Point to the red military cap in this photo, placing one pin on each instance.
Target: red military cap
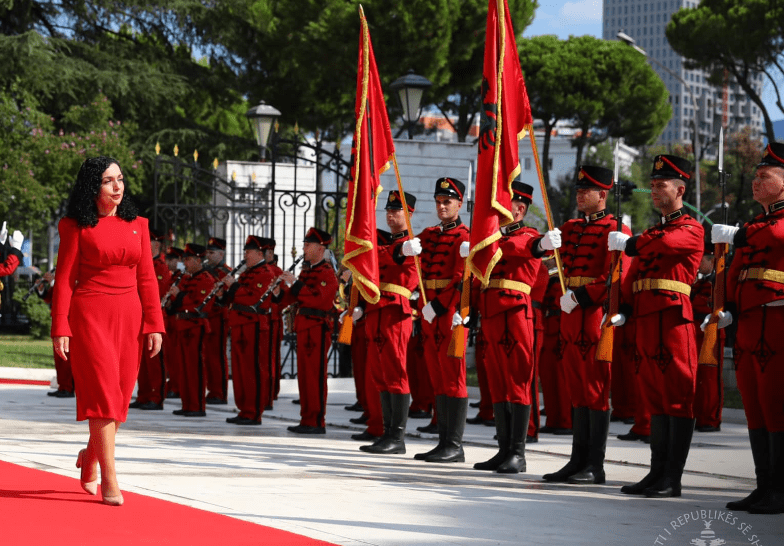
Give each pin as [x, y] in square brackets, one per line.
[157, 235]
[316, 235]
[216, 244]
[522, 192]
[451, 187]
[254, 242]
[594, 178]
[773, 156]
[395, 203]
[174, 253]
[671, 166]
[192, 249]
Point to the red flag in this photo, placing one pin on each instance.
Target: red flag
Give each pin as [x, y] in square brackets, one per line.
[506, 114]
[372, 151]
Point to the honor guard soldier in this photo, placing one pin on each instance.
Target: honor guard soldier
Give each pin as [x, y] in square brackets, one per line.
[44, 287]
[442, 273]
[313, 292]
[586, 266]
[171, 350]
[249, 321]
[192, 327]
[151, 389]
[507, 316]
[215, 359]
[15, 257]
[755, 298]
[709, 396]
[659, 284]
[276, 323]
[388, 326]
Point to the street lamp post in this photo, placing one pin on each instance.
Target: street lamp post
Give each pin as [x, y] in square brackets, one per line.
[628, 40]
[410, 89]
[261, 119]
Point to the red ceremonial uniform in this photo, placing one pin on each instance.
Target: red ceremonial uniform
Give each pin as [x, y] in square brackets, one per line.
[215, 359]
[442, 271]
[416, 369]
[251, 341]
[314, 293]
[537, 302]
[276, 324]
[171, 347]
[62, 367]
[709, 396]
[623, 374]
[152, 373]
[106, 290]
[586, 265]
[192, 328]
[552, 368]
[755, 291]
[507, 317]
[11, 262]
[659, 282]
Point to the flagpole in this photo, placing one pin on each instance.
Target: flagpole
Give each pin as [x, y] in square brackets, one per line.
[547, 211]
[408, 226]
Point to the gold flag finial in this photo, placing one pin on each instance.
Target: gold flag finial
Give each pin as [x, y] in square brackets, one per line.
[195, 156]
[215, 163]
[176, 150]
[253, 177]
[157, 148]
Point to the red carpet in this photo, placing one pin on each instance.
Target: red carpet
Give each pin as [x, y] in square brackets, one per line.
[44, 509]
[22, 382]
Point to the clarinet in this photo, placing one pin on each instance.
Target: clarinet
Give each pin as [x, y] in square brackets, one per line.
[239, 269]
[274, 284]
[36, 284]
[167, 296]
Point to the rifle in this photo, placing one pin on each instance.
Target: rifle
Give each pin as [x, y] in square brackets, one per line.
[457, 343]
[239, 269]
[273, 285]
[709, 352]
[604, 348]
[35, 286]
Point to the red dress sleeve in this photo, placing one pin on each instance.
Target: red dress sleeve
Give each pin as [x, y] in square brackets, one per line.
[9, 265]
[67, 272]
[147, 285]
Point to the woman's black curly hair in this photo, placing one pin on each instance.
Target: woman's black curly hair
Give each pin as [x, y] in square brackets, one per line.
[81, 203]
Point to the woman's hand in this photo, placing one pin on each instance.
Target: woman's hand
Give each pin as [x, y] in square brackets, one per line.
[61, 346]
[154, 342]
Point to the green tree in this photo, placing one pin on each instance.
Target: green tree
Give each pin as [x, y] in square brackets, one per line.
[744, 37]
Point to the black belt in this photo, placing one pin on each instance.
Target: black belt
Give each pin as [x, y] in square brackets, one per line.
[310, 312]
[251, 310]
[191, 315]
[536, 304]
[552, 312]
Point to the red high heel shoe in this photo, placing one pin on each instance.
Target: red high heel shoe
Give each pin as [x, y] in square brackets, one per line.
[89, 487]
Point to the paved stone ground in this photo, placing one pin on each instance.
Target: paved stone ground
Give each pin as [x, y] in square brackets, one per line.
[324, 487]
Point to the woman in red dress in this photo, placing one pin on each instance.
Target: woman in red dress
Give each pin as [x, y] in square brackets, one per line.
[105, 311]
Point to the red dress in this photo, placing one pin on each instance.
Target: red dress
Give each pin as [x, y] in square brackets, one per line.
[106, 301]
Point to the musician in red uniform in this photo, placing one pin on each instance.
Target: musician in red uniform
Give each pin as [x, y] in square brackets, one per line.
[552, 368]
[151, 389]
[507, 315]
[442, 272]
[586, 265]
[192, 327]
[313, 292]
[171, 349]
[215, 360]
[709, 396]
[755, 298]
[249, 321]
[276, 324]
[659, 283]
[65, 383]
[388, 326]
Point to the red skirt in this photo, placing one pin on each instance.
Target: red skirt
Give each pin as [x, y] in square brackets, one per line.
[106, 350]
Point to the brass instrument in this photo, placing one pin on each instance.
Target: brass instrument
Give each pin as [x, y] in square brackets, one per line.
[167, 296]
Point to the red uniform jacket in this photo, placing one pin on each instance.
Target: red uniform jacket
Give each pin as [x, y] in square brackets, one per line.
[162, 273]
[441, 263]
[11, 262]
[585, 258]
[518, 264]
[397, 275]
[702, 298]
[246, 292]
[314, 292]
[669, 251]
[193, 291]
[758, 245]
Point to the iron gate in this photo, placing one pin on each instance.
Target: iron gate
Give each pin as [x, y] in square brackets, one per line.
[197, 203]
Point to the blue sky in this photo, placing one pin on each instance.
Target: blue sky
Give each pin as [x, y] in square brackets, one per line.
[579, 17]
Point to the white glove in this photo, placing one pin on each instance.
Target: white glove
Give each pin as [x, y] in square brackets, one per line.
[357, 313]
[428, 312]
[551, 240]
[3, 233]
[568, 302]
[412, 247]
[616, 240]
[465, 249]
[725, 319]
[721, 233]
[17, 239]
[181, 267]
[457, 320]
[616, 320]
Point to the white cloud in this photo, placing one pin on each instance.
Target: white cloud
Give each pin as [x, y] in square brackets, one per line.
[585, 11]
[563, 18]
